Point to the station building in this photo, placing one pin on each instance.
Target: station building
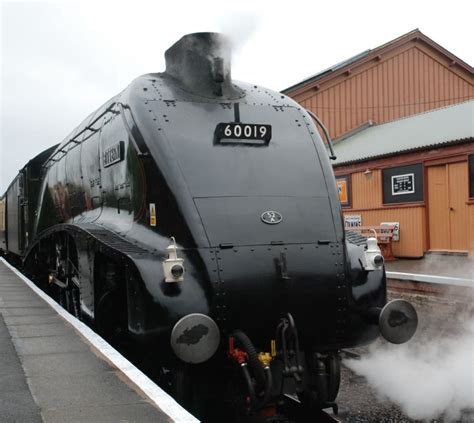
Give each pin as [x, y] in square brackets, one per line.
[402, 119]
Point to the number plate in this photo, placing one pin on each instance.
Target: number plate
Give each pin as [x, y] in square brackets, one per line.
[244, 131]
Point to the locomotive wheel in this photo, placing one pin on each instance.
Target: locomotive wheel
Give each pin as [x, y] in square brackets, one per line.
[182, 387]
[333, 366]
[70, 297]
[34, 267]
[326, 375]
[110, 300]
[188, 384]
[175, 379]
[67, 273]
[107, 321]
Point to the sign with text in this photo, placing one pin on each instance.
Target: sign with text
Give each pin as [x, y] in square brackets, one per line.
[113, 154]
[396, 229]
[352, 220]
[403, 184]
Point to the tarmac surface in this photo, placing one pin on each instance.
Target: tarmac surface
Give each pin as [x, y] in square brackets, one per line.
[49, 373]
[16, 401]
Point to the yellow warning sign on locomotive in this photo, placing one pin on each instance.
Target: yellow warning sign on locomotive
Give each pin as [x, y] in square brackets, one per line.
[152, 214]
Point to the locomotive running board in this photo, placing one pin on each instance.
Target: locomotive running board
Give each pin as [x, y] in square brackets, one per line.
[323, 417]
[319, 416]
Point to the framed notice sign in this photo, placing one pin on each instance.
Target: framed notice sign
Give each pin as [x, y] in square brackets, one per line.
[352, 220]
[396, 229]
[403, 184]
[343, 189]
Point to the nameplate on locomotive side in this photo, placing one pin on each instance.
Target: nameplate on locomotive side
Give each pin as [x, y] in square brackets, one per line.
[113, 154]
[244, 131]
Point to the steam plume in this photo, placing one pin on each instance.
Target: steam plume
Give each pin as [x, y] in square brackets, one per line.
[239, 26]
[426, 379]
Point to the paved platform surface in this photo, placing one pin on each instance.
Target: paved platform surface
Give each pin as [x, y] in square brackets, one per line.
[434, 268]
[16, 402]
[49, 373]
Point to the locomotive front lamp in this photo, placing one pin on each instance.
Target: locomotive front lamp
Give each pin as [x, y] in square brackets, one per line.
[373, 257]
[378, 260]
[173, 267]
[177, 271]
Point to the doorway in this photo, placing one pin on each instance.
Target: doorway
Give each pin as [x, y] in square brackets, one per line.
[447, 208]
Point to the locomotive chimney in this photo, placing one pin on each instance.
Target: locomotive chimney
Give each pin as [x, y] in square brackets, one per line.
[200, 64]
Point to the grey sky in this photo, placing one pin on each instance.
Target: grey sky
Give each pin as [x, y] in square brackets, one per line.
[61, 60]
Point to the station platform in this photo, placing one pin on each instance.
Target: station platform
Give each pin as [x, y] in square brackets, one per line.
[53, 368]
[434, 268]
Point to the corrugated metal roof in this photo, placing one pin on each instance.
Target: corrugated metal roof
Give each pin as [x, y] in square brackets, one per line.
[414, 34]
[446, 125]
[346, 62]
[327, 71]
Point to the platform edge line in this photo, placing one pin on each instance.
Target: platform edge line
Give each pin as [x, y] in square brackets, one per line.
[157, 396]
[418, 277]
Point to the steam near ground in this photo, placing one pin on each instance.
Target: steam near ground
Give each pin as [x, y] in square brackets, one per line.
[429, 377]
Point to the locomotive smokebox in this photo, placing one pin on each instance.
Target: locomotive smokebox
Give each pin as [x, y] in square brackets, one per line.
[200, 64]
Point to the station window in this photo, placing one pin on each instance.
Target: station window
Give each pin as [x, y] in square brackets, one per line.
[471, 176]
[343, 184]
[403, 184]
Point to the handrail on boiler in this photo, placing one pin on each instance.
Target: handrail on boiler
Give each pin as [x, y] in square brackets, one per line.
[73, 139]
[326, 133]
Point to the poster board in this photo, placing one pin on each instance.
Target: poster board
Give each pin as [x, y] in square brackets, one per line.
[396, 229]
[344, 190]
[403, 184]
[352, 221]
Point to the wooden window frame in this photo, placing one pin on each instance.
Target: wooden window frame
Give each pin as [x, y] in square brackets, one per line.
[348, 178]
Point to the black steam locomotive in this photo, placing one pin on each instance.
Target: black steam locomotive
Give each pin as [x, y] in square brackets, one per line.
[199, 216]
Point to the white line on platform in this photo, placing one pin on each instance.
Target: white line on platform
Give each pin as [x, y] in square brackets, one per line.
[156, 395]
[417, 277]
